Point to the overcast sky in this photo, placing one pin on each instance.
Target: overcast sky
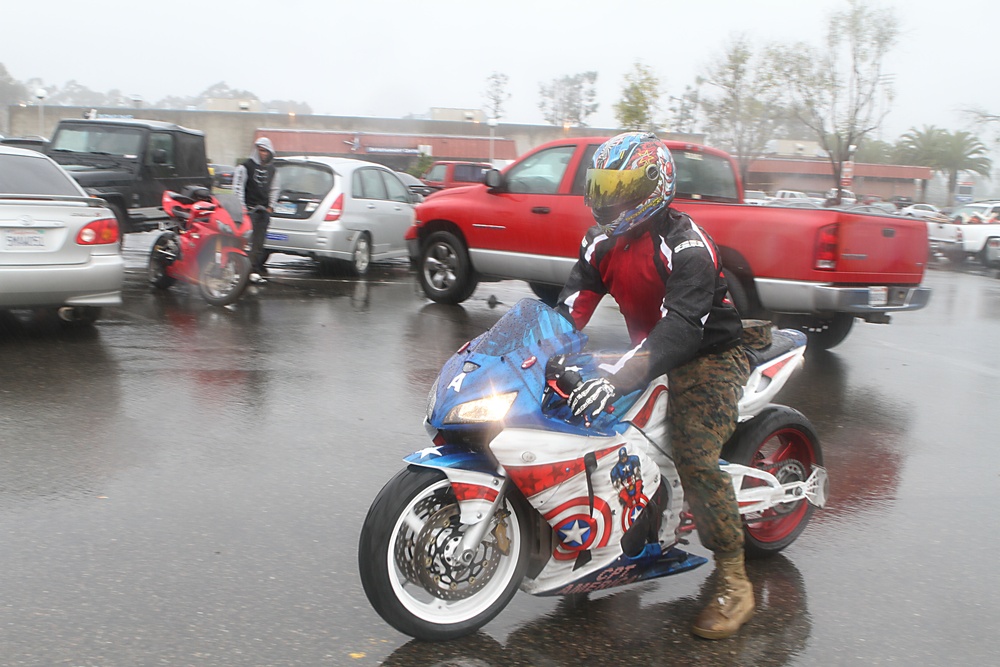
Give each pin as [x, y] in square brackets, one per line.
[389, 58]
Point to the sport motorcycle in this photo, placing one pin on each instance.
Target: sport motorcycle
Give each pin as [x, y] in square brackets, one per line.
[203, 244]
[516, 492]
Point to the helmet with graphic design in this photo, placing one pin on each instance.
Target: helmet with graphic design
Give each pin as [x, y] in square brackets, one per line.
[631, 179]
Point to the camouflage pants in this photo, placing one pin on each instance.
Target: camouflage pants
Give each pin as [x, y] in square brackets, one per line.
[704, 394]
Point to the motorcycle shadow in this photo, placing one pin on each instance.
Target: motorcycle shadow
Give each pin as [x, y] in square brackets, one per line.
[620, 629]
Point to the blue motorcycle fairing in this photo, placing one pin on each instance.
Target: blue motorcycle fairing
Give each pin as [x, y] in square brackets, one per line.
[511, 357]
[452, 456]
[652, 562]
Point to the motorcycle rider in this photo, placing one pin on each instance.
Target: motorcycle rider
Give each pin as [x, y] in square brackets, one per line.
[253, 184]
[665, 273]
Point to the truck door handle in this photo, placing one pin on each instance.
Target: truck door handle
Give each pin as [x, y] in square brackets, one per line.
[371, 206]
[541, 209]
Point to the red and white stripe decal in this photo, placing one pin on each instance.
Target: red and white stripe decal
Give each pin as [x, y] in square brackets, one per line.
[465, 492]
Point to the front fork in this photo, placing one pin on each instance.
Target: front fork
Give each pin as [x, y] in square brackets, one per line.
[480, 496]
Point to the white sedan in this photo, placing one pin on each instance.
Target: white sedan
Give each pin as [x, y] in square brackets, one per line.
[925, 211]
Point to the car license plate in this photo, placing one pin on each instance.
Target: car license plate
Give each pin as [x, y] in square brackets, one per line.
[878, 296]
[285, 208]
[274, 236]
[21, 239]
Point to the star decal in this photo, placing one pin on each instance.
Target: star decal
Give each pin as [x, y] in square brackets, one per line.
[429, 451]
[574, 532]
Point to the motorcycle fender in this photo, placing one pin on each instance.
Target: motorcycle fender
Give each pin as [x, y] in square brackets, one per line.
[224, 251]
[475, 482]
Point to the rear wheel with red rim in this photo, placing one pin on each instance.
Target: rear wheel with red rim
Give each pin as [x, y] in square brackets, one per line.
[784, 443]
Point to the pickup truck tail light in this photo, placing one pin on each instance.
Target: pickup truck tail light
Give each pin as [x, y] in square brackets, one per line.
[336, 209]
[826, 248]
[99, 232]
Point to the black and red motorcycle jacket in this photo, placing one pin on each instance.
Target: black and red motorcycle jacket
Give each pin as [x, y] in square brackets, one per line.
[667, 280]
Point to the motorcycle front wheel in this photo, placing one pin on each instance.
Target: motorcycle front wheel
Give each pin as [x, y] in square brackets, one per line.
[410, 570]
[222, 285]
[784, 443]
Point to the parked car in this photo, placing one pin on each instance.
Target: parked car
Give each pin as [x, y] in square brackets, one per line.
[984, 212]
[972, 232]
[415, 185]
[847, 198]
[59, 247]
[453, 174]
[876, 208]
[222, 175]
[339, 210]
[783, 195]
[130, 162]
[924, 211]
[34, 143]
[755, 197]
[795, 203]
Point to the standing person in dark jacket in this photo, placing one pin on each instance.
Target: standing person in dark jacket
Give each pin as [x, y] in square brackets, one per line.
[666, 275]
[253, 183]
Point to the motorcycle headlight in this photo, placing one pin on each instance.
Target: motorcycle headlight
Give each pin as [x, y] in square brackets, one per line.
[489, 409]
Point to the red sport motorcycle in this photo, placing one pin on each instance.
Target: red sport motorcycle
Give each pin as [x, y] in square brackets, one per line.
[204, 244]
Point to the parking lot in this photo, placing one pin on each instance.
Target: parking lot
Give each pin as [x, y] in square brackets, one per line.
[185, 485]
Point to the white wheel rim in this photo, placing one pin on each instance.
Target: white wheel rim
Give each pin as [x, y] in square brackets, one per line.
[361, 255]
[431, 609]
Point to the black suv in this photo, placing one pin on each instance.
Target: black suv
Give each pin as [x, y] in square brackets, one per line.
[129, 163]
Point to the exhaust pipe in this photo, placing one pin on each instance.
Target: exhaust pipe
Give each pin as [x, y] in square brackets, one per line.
[69, 314]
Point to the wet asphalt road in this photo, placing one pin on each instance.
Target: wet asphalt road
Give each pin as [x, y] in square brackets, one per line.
[183, 485]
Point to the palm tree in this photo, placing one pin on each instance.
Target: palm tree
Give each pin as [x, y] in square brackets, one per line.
[960, 152]
[946, 153]
[922, 148]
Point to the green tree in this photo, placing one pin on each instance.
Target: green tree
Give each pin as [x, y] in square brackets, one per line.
[636, 110]
[961, 151]
[569, 100]
[923, 148]
[841, 94]
[876, 151]
[496, 94]
[743, 113]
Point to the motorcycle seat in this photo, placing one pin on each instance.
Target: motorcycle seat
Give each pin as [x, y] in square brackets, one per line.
[197, 193]
[782, 341]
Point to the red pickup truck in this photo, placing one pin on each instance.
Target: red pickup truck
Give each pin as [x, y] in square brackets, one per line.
[812, 269]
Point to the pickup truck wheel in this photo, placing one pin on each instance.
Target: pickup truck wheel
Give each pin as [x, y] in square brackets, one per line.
[547, 294]
[445, 271]
[737, 294]
[822, 333]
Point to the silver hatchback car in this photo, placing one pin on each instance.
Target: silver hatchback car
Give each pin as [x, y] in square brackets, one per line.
[59, 247]
[339, 210]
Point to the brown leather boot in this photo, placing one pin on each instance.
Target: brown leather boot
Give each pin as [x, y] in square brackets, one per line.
[733, 604]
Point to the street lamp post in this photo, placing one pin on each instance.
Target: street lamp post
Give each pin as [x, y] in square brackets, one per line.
[492, 122]
[41, 94]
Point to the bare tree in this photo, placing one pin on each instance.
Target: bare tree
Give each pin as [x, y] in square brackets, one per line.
[684, 110]
[745, 110]
[569, 100]
[842, 94]
[496, 94]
